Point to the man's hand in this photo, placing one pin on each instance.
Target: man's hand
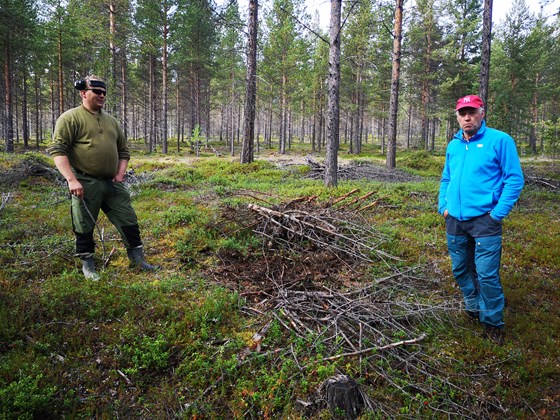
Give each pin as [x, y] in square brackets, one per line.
[76, 188]
[118, 177]
[121, 171]
[63, 165]
[445, 214]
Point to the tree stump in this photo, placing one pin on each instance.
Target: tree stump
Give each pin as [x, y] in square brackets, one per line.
[343, 396]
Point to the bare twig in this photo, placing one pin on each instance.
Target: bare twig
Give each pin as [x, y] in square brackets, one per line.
[343, 197]
[101, 236]
[372, 349]
[542, 181]
[128, 381]
[108, 259]
[6, 197]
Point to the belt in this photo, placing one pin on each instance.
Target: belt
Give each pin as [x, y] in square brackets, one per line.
[102, 178]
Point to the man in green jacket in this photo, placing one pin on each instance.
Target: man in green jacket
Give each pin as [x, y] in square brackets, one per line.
[90, 150]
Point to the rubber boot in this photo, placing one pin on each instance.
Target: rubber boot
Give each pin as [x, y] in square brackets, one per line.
[136, 257]
[88, 267]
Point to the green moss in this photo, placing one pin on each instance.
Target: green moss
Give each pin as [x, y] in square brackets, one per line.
[183, 339]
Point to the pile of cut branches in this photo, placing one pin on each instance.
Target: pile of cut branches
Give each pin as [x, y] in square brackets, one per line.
[361, 170]
[380, 324]
[539, 178]
[328, 229]
[30, 166]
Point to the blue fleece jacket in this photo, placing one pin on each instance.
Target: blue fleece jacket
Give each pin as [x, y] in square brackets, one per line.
[482, 175]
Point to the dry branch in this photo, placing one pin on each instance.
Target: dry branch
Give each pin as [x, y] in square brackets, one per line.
[372, 349]
[370, 205]
[6, 197]
[547, 183]
[216, 152]
[354, 191]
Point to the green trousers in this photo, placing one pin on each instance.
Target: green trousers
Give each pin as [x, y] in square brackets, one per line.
[111, 197]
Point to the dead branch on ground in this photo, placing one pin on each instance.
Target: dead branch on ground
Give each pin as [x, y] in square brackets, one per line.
[546, 183]
[6, 197]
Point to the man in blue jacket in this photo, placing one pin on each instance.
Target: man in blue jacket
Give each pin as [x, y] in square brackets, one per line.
[481, 181]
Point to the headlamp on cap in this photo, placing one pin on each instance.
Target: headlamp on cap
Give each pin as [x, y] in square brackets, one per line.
[82, 84]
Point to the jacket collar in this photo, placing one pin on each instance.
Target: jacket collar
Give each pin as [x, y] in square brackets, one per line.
[478, 135]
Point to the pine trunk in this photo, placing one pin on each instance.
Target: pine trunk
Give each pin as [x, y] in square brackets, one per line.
[164, 82]
[8, 102]
[247, 151]
[394, 102]
[333, 113]
[486, 49]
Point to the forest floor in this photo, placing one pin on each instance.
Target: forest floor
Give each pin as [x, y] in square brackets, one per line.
[272, 290]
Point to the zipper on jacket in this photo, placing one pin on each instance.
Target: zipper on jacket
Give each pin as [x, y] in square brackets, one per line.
[461, 180]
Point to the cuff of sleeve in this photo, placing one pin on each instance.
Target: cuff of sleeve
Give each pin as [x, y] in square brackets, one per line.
[493, 216]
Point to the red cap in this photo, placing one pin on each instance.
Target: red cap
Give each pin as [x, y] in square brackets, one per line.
[469, 101]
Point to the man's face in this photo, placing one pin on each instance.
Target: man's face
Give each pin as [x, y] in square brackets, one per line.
[470, 120]
[94, 98]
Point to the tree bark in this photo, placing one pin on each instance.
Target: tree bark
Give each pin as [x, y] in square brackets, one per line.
[302, 121]
[247, 151]
[113, 50]
[486, 49]
[394, 101]
[8, 101]
[60, 72]
[333, 113]
[179, 113]
[428, 18]
[164, 79]
[24, 111]
[38, 114]
[535, 116]
[124, 102]
[152, 123]
[231, 133]
[283, 114]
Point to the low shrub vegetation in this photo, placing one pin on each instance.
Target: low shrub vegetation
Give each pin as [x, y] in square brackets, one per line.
[205, 337]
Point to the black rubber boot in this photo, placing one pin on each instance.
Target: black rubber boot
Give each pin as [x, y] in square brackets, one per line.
[88, 267]
[136, 257]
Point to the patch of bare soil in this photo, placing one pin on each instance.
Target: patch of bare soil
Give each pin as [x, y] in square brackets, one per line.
[261, 275]
[299, 250]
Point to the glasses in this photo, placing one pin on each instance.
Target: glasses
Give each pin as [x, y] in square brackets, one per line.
[98, 92]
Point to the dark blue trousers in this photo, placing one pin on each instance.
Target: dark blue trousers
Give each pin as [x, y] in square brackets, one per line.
[475, 248]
